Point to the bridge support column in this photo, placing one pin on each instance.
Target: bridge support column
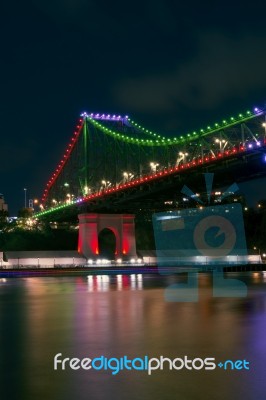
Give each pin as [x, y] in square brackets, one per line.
[122, 225]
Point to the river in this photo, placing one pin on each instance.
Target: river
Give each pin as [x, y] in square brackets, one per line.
[115, 316]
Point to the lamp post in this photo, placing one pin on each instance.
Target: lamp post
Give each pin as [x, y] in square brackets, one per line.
[222, 144]
[25, 197]
[181, 157]
[105, 185]
[264, 126]
[154, 166]
[127, 176]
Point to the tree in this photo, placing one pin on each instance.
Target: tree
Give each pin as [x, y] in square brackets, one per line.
[25, 212]
[3, 218]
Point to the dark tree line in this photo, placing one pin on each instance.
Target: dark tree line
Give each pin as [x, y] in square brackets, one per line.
[15, 237]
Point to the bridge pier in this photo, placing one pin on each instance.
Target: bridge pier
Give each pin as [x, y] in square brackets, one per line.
[122, 225]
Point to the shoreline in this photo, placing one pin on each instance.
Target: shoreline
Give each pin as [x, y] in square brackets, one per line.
[151, 269]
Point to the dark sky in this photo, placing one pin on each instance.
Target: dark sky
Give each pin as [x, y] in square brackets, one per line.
[172, 66]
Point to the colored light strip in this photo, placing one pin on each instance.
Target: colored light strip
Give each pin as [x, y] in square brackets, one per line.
[64, 159]
[160, 141]
[144, 130]
[105, 117]
[137, 182]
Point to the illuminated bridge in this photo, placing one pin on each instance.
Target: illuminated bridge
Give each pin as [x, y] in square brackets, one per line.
[113, 164]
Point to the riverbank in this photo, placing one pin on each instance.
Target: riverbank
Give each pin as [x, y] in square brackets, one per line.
[123, 270]
[70, 271]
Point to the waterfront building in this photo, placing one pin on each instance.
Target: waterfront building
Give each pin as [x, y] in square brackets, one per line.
[3, 205]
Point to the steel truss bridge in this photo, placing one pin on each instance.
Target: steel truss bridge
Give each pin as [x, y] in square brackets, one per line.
[114, 164]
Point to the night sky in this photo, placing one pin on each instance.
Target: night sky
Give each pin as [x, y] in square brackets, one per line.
[172, 66]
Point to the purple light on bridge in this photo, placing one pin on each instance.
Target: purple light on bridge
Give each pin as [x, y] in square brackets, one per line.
[258, 144]
[250, 146]
[258, 110]
[104, 117]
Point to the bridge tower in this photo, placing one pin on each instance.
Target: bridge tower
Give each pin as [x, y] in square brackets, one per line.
[122, 225]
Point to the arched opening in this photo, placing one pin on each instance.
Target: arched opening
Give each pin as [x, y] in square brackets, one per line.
[107, 244]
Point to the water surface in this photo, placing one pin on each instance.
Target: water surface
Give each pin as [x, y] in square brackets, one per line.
[128, 315]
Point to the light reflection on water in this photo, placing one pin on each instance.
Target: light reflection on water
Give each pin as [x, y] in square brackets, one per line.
[102, 283]
[127, 315]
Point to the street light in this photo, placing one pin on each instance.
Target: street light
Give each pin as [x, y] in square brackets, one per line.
[264, 126]
[105, 184]
[127, 176]
[154, 166]
[25, 197]
[86, 190]
[222, 144]
[181, 157]
[68, 198]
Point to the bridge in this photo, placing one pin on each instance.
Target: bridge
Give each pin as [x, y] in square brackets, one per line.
[113, 164]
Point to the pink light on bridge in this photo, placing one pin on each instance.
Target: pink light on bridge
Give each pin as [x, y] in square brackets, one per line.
[157, 176]
[64, 160]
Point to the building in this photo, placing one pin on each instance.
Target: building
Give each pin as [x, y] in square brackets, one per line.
[3, 205]
[41, 259]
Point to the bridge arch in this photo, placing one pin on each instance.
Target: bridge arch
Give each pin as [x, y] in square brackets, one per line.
[122, 226]
[108, 239]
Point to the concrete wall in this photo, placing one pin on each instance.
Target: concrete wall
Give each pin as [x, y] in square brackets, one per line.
[44, 262]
